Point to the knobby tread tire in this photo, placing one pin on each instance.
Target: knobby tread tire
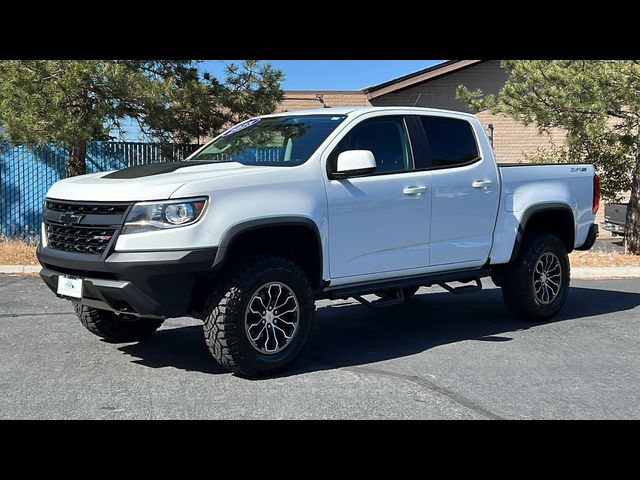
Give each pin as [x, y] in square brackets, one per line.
[224, 316]
[517, 279]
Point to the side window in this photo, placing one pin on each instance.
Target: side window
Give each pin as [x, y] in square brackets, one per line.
[386, 138]
[451, 141]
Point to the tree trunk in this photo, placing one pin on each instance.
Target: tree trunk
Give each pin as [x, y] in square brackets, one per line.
[77, 154]
[632, 228]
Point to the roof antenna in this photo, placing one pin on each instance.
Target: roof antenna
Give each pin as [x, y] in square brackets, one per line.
[417, 99]
[320, 98]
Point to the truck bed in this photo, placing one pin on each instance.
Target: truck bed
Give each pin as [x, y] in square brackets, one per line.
[574, 178]
[527, 186]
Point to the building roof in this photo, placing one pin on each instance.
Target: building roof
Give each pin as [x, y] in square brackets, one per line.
[417, 77]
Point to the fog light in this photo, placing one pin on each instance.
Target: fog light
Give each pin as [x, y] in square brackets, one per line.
[43, 235]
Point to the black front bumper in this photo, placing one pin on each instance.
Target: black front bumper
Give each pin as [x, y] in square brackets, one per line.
[150, 284]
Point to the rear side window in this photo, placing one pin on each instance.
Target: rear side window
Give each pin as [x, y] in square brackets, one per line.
[386, 138]
[451, 141]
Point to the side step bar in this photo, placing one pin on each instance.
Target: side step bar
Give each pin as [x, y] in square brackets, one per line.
[464, 276]
[461, 290]
[382, 303]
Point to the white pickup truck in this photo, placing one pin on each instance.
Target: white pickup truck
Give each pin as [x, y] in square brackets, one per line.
[284, 209]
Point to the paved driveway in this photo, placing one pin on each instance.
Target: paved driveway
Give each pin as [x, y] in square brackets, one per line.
[608, 245]
[439, 356]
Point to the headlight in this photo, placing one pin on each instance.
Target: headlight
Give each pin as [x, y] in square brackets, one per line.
[150, 216]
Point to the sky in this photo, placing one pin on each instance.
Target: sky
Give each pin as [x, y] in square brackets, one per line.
[332, 74]
[319, 74]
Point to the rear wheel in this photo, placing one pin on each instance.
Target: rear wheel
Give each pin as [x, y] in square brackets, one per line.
[114, 327]
[536, 284]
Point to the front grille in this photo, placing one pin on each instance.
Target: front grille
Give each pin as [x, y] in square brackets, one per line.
[87, 208]
[92, 240]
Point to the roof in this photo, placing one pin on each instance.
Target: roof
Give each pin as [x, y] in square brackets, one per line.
[362, 110]
[329, 92]
[417, 77]
[319, 111]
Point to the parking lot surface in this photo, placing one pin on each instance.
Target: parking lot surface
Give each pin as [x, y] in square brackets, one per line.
[438, 356]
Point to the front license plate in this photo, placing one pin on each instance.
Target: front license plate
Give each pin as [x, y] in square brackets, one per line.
[70, 287]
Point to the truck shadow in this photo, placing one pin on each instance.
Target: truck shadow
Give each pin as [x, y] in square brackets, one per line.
[349, 334]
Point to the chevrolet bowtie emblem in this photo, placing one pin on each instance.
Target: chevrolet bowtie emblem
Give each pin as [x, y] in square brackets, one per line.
[70, 218]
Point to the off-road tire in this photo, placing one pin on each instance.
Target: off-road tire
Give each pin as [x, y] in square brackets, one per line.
[517, 279]
[114, 328]
[224, 327]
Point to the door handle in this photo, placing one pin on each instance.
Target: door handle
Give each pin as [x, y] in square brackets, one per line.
[482, 183]
[413, 191]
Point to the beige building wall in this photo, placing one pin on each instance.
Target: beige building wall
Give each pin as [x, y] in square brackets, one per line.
[512, 140]
[305, 99]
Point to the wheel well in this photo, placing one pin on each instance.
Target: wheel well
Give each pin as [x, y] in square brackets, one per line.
[298, 243]
[556, 221]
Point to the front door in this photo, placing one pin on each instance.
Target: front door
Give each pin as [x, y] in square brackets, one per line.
[379, 223]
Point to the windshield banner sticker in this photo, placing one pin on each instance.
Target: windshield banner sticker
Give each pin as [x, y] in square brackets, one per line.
[241, 126]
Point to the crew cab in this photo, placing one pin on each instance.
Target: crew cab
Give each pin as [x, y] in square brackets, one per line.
[284, 209]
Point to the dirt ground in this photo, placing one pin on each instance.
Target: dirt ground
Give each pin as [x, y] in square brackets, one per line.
[601, 259]
[13, 252]
[19, 253]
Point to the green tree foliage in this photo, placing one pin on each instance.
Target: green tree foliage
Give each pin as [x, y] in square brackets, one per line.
[597, 103]
[72, 101]
[201, 106]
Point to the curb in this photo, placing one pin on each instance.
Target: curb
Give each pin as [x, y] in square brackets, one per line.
[605, 272]
[584, 273]
[20, 268]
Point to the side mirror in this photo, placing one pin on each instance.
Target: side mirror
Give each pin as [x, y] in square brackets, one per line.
[354, 162]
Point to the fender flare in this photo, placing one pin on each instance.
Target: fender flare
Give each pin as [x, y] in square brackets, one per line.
[530, 212]
[233, 232]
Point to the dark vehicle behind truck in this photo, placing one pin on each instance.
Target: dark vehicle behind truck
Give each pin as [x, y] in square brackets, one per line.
[615, 218]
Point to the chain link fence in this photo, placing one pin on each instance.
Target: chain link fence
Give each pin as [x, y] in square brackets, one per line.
[26, 173]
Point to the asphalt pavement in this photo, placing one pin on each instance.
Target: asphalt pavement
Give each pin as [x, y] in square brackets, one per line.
[439, 356]
[608, 245]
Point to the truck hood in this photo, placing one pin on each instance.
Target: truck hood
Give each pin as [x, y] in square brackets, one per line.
[156, 181]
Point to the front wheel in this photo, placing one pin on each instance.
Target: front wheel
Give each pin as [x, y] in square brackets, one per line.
[259, 319]
[536, 284]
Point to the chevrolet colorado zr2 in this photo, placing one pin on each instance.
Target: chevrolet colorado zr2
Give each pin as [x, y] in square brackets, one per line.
[281, 210]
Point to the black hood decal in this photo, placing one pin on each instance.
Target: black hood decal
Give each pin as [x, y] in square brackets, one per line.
[154, 169]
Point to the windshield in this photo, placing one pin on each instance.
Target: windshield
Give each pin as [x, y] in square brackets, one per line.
[275, 141]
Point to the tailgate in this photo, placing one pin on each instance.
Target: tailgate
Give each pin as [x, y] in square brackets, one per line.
[615, 213]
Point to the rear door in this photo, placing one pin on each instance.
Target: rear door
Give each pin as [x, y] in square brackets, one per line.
[379, 223]
[465, 193]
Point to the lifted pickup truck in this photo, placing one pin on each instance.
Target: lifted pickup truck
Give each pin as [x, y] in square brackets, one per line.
[284, 209]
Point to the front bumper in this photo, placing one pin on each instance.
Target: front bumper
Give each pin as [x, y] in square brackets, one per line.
[149, 284]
